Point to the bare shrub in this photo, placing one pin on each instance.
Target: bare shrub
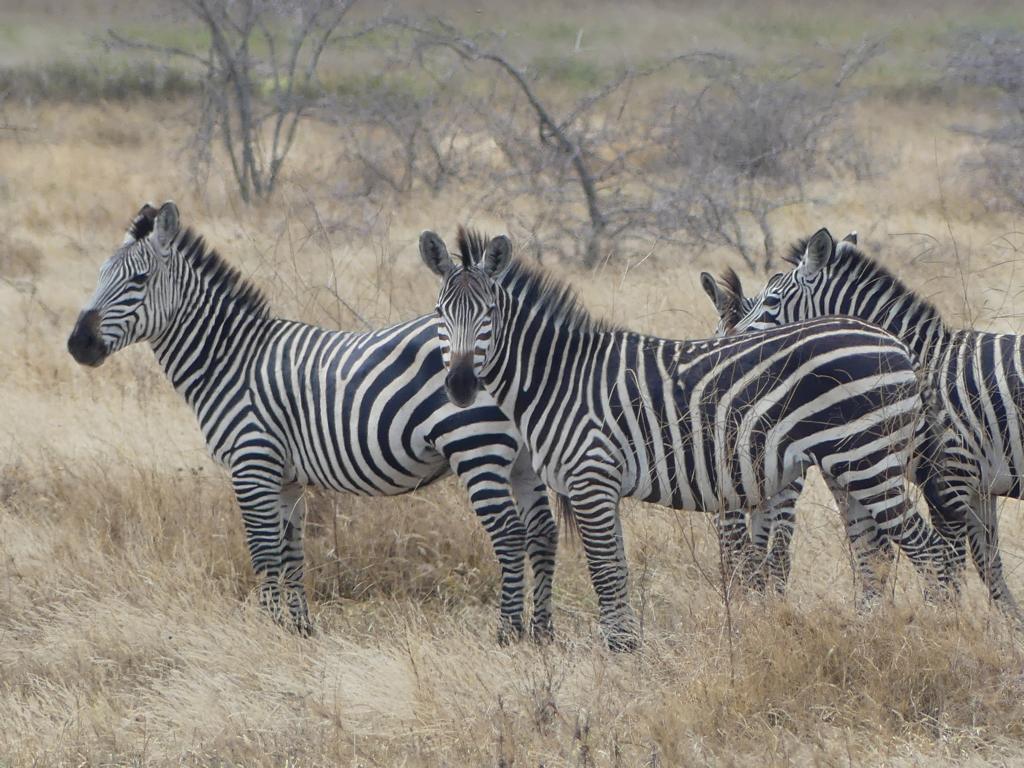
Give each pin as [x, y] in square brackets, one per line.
[546, 150]
[587, 174]
[259, 79]
[399, 132]
[740, 149]
[995, 60]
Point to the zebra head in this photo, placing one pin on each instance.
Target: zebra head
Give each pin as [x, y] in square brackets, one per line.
[804, 291]
[727, 296]
[466, 305]
[134, 296]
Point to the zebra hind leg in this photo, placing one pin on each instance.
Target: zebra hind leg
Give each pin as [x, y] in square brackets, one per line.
[541, 543]
[983, 537]
[896, 519]
[870, 545]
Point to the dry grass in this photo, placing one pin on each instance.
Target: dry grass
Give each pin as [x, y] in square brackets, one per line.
[127, 630]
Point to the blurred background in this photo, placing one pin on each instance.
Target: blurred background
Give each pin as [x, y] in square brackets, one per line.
[626, 146]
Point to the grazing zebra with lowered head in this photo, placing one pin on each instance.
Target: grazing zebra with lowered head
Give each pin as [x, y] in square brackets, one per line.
[283, 404]
[977, 378]
[716, 424]
[771, 527]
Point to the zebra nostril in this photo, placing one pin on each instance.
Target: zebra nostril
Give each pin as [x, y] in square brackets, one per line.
[84, 343]
[461, 385]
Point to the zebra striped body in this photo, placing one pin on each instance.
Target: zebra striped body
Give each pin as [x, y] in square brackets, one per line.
[283, 404]
[713, 425]
[772, 526]
[976, 377]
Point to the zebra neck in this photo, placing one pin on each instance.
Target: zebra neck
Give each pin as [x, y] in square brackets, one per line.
[916, 323]
[927, 340]
[875, 295]
[542, 360]
[206, 347]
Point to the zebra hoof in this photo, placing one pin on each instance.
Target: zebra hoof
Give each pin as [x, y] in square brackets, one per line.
[304, 628]
[622, 640]
[509, 632]
[542, 631]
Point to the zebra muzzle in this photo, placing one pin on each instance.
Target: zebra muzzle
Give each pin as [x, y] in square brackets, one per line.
[461, 383]
[85, 343]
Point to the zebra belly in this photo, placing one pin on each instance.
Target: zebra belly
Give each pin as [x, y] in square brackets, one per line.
[684, 496]
[393, 486]
[365, 453]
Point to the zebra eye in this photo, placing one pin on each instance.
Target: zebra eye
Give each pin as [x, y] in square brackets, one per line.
[771, 301]
[139, 278]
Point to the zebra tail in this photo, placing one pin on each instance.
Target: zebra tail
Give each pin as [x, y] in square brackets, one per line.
[567, 519]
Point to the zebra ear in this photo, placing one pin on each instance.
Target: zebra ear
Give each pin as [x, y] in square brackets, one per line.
[166, 226]
[497, 256]
[819, 251]
[851, 238]
[434, 253]
[710, 286]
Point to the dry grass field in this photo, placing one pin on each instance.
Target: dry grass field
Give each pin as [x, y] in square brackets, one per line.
[129, 634]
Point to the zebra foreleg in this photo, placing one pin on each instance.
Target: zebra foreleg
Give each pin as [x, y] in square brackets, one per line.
[966, 518]
[258, 492]
[734, 546]
[541, 542]
[597, 512]
[763, 551]
[493, 504]
[950, 491]
[293, 518]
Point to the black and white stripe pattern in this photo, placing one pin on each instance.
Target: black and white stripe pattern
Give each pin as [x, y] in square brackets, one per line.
[283, 404]
[977, 379]
[771, 528]
[713, 425]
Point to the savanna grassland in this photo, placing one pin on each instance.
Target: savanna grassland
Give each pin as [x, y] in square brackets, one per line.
[128, 630]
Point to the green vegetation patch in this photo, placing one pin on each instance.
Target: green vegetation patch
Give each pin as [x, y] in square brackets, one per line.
[85, 81]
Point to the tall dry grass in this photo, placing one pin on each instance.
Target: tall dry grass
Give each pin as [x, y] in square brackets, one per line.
[128, 633]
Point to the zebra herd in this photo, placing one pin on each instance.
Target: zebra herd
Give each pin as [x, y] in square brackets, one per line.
[516, 389]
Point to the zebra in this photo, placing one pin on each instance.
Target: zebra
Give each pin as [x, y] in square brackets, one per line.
[977, 378]
[282, 405]
[771, 527]
[714, 424]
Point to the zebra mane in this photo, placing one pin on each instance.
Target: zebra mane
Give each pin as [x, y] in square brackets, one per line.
[142, 224]
[731, 283]
[858, 263]
[550, 296]
[220, 276]
[733, 292]
[796, 252]
[471, 245]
